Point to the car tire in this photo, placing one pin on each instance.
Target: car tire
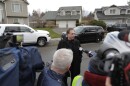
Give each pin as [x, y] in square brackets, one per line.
[41, 42]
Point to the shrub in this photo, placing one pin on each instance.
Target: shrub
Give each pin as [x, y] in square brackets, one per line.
[98, 23]
[50, 24]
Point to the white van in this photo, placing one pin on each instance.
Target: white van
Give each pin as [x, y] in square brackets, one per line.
[40, 37]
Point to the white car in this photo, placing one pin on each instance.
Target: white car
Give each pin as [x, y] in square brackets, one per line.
[40, 37]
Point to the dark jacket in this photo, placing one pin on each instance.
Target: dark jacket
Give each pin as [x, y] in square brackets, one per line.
[74, 45]
[50, 78]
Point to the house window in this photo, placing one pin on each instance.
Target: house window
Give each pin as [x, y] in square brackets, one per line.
[62, 13]
[18, 21]
[128, 11]
[78, 12]
[68, 13]
[112, 11]
[123, 11]
[74, 12]
[15, 21]
[16, 7]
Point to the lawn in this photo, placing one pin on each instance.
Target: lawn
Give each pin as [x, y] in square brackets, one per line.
[52, 33]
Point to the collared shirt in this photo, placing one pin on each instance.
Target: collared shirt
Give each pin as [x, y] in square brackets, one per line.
[51, 78]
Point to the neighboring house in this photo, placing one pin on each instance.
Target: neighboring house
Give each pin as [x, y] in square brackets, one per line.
[113, 14]
[65, 17]
[14, 11]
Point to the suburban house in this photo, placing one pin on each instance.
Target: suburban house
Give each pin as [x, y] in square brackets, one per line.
[65, 17]
[14, 11]
[113, 14]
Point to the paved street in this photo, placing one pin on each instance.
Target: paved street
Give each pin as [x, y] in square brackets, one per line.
[48, 51]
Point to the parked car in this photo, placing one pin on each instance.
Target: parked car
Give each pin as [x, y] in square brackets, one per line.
[40, 37]
[118, 27]
[88, 33]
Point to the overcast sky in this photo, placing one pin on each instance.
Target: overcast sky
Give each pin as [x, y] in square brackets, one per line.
[88, 5]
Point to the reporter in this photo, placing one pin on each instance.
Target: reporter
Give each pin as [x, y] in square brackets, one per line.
[53, 76]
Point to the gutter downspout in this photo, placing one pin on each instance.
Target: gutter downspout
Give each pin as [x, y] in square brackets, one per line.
[6, 13]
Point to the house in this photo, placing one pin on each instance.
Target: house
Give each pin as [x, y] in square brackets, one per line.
[65, 17]
[14, 11]
[113, 14]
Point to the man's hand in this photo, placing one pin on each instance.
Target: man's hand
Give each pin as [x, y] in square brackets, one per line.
[108, 81]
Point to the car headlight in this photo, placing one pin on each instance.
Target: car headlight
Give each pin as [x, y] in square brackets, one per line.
[48, 35]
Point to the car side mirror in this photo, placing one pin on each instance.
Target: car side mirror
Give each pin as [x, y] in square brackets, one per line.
[31, 31]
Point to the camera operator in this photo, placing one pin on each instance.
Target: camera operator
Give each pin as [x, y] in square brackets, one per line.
[120, 41]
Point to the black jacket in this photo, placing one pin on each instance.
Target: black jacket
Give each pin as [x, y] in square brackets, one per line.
[74, 45]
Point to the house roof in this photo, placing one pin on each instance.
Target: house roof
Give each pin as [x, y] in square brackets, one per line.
[101, 15]
[26, 1]
[70, 8]
[67, 17]
[104, 8]
[53, 15]
[50, 15]
[22, 0]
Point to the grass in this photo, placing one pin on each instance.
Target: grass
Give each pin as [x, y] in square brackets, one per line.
[52, 33]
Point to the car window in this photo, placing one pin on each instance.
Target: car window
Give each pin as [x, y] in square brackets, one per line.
[78, 29]
[24, 29]
[12, 29]
[100, 29]
[92, 29]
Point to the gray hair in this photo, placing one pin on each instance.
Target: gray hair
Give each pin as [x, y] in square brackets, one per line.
[62, 58]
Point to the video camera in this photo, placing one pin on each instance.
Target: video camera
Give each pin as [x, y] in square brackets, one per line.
[10, 40]
[116, 64]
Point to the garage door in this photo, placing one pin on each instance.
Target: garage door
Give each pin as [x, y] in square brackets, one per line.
[62, 24]
[66, 24]
[71, 24]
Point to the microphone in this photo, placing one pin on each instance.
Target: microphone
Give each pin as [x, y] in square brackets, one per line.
[124, 36]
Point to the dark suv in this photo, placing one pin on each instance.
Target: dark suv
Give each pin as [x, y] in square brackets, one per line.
[118, 27]
[88, 33]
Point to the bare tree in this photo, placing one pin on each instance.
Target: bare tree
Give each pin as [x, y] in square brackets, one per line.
[37, 17]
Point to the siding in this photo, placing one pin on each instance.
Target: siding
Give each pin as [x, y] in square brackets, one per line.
[11, 20]
[4, 14]
[107, 11]
[9, 11]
